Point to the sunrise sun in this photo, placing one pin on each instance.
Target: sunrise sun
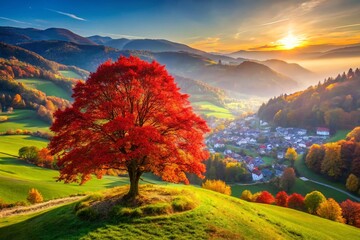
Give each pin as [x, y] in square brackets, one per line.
[290, 41]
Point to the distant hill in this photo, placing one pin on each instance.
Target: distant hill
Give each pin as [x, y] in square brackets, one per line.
[30, 57]
[334, 104]
[14, 35]
[248, 77]
[353, 51]
[302, 75]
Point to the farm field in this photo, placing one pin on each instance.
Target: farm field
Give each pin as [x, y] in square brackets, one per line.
[24, 120]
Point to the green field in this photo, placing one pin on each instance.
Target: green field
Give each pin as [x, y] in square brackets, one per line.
[70, 74]
[210, 109]
[17, 176]
[216, 217]
[46, 86]
[339, 135]
[25, 120]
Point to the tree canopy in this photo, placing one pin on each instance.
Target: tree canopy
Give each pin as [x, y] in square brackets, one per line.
[129, 115]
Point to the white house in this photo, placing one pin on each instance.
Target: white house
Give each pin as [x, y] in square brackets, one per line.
[322, 131]
[257, 176]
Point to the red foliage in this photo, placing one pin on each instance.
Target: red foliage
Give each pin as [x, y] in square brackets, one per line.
[351, 212]
[296, 201]
[129, 115]
[281, 199]
[265, 197]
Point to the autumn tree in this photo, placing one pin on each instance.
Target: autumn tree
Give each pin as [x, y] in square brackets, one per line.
[313, 200]
[287, 179]
[265, 197]
[246, 195]
[351, 212]
[352, 183]
[217, 186]
[354, 134]
[29, 153]
[331, 210]
[129, 115]
[34, 196]
[332, 164]
[281, 199]
[314, 157]
[291, 155]
[296, 201]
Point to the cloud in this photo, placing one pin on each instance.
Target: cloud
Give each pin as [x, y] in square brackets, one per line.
[278, 21]
[310, 5]
[265, 47]
[14, 20]
[73, 16]
[346, 26]
[207, 44]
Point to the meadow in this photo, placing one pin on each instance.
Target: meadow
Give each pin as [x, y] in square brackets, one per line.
[46, 86]
[24, 120]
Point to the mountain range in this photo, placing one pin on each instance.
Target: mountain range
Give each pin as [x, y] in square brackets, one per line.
[265, 78]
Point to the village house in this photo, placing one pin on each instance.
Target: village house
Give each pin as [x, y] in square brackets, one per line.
[322, 131]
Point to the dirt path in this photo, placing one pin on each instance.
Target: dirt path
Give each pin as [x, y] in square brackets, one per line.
[37, 207]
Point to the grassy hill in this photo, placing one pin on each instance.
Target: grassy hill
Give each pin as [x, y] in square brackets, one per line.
[216, 217]
[24, 120]
[46, 86]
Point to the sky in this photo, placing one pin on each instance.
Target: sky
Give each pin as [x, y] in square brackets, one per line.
[209, 25]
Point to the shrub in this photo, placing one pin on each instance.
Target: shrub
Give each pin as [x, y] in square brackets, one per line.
[281, 199]
[95, 197]
[313, 200]
[217, 186]
[255, 196]
[34, 196]
[87, 214]
[331, 210]
[296, 201]
[265, 197]
[81, 205]
[246, 195]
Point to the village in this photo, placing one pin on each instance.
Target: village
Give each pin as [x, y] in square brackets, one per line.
[261, 147]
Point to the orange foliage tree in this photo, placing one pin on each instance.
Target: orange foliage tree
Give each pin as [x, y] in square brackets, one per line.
[217, 186]
[281, 199]
[265, 197]
[129, 115]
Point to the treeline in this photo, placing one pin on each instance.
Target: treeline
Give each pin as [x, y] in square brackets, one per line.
[335, 103]
[15, 95]
[339, 161]
[314, 203]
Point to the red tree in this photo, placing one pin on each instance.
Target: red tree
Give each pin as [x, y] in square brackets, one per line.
[351, 212]
[129, 115]
[296, 201]
[265, 197]
[281, 199]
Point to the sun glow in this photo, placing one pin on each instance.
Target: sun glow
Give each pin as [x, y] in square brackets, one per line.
[290, 41]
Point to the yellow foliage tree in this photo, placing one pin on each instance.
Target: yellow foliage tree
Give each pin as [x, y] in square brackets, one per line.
[352, 183]
[34, 196]
[246, 195]
[292, 155]
[217, 186]
[332, 164]
[331, 210]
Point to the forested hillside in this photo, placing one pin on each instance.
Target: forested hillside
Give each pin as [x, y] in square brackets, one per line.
[335, 103]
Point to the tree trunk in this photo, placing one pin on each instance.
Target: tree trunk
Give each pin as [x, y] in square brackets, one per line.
[134, 175]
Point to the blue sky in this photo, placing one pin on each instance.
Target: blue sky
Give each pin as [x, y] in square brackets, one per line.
[207, 24]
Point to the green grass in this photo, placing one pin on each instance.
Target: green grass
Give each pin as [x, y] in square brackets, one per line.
[268, 160]
[216, 217]
[25, 120]
[339, 135]
[46, 86]
[210, 109]
[70, 74]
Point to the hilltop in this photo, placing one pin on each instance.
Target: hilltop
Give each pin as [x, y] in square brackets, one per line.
[214, 216]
